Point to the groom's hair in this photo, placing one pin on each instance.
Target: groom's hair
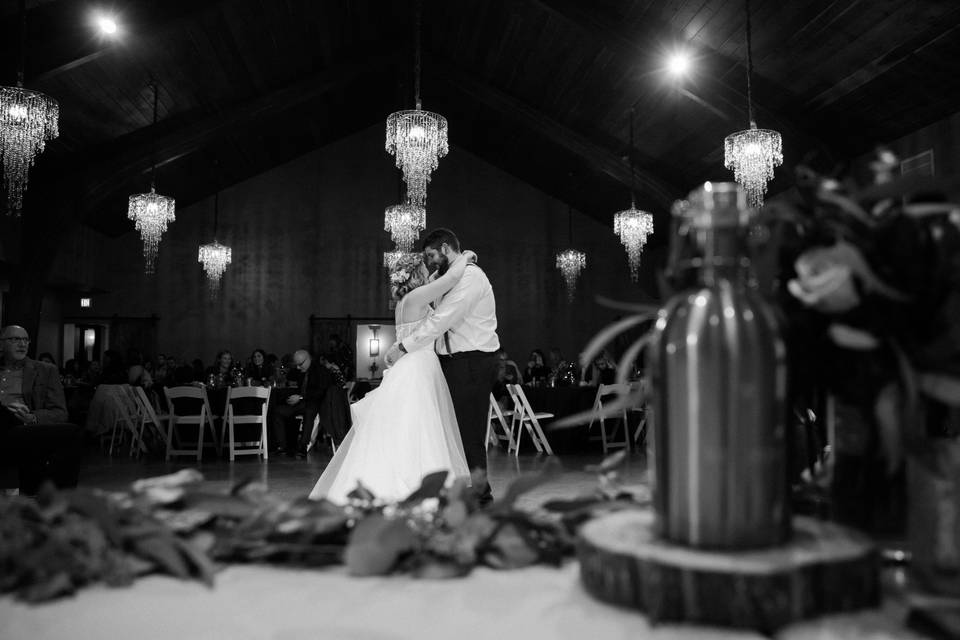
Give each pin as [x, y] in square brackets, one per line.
[440, 236]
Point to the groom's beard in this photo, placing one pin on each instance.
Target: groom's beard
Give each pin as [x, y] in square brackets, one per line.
[443, 266]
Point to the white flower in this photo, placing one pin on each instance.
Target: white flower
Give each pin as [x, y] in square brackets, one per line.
[399, 277]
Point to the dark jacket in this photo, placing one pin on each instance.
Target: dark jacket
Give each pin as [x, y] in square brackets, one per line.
[43, 392]
[319, 379]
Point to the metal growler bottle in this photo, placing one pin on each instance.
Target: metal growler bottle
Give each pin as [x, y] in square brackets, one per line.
[718, 377]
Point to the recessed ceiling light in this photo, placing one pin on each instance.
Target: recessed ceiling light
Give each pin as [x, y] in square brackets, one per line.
[679, 63]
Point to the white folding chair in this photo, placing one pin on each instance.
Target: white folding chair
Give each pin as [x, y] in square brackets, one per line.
[127, 420]
[495, 413]
[257, 447]
[314, 432]
[640, 433]
[607, 392]
[525, 416]
[149, 415]
[202, 419]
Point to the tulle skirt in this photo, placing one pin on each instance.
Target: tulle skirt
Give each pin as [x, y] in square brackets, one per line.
[402, 430]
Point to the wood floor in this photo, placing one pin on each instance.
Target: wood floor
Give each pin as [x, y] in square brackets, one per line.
[291, 478]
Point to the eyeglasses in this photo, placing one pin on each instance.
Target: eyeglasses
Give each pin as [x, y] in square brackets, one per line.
[299, 364]
[19, 339]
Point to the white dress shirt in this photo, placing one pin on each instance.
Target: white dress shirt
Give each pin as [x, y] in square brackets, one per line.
[467, 314]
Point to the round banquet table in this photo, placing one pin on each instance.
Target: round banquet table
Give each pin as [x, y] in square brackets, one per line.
[260, 602]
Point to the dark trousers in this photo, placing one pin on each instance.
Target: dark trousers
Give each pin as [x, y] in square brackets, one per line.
[43, 452]
[470, 377]
[284, 427]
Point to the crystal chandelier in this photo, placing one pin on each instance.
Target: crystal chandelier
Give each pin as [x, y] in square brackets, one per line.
[215, 257]
[633, 225]
[417, 138]
[571, 261]
[752, 153]
[27, 120]
[404, 222]
[151, 212]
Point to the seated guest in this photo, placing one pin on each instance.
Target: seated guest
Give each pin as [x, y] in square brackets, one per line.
[340, 354]
[315, 380]
[536, 371]
[93, 375]
[259, 371]
[137, 374]
[507, 373]
[221, 373]
[34, 435]
[162, 369]
[562, 373]
[603, 370]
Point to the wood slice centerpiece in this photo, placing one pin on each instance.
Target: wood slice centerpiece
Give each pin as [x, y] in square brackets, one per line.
[823, 568]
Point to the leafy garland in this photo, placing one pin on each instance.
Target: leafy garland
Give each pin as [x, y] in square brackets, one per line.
[171, 524]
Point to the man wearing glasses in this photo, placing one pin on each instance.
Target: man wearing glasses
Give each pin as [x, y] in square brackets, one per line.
[315, 380]
[34, 435]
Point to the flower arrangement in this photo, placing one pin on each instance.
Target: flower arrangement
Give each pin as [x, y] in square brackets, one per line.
[172, 524]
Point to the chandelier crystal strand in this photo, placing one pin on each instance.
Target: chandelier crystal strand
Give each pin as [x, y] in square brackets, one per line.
[633, 226]
[571, 262]
[151, 213]
[404, 222]
[752, 153]
[28, 119]
[215, 258]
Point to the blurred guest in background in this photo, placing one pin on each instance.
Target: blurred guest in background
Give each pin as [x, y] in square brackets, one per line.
[47, 357]
[603, 370]
[259, 371]
[339, 353]
[507, 373]
[137, 374]
[221, 373]
[537, 370]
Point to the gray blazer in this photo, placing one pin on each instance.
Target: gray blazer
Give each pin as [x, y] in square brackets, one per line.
[43, 392]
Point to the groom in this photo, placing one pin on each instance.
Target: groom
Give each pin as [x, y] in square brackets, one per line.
[463, 332]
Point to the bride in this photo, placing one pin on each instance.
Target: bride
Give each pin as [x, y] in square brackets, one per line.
[406, 428]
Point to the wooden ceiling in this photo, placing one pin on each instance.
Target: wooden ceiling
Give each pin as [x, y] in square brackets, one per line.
[540, 88]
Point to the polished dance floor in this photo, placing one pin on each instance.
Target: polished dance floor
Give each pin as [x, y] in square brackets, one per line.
[291, 478]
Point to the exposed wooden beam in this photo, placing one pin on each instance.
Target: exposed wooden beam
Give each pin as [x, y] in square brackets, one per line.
[136, 153]
[604, 159]
[946, 26]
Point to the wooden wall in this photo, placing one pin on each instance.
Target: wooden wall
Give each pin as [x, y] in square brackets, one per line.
[308, 238]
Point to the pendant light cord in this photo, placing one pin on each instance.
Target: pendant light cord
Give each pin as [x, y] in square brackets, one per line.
[749, 68]
[418, 11]
[633, 175]
[153, 153]
[21, 62]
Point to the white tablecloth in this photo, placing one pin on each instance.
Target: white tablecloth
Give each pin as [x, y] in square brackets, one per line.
[259, 602]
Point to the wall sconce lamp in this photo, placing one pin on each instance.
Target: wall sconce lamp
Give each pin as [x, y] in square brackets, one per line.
[84, 302]
[374, 342]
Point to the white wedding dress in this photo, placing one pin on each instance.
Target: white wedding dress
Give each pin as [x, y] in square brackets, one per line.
[402, 430]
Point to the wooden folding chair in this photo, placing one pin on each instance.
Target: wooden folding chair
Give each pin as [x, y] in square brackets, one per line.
[604, 392]
[525, 416]
[258, 446]
[179, 417]
[495, 413]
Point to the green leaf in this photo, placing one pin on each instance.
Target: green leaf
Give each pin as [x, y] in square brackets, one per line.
[376, 543]
[200, 561]
[361, 493]
[455, 513]
[524, 484]
[608, 464]
[430, 487]
[509, 549]
[164, 551]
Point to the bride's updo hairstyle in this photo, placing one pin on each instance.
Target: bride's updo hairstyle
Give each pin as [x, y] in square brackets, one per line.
[407, 274]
